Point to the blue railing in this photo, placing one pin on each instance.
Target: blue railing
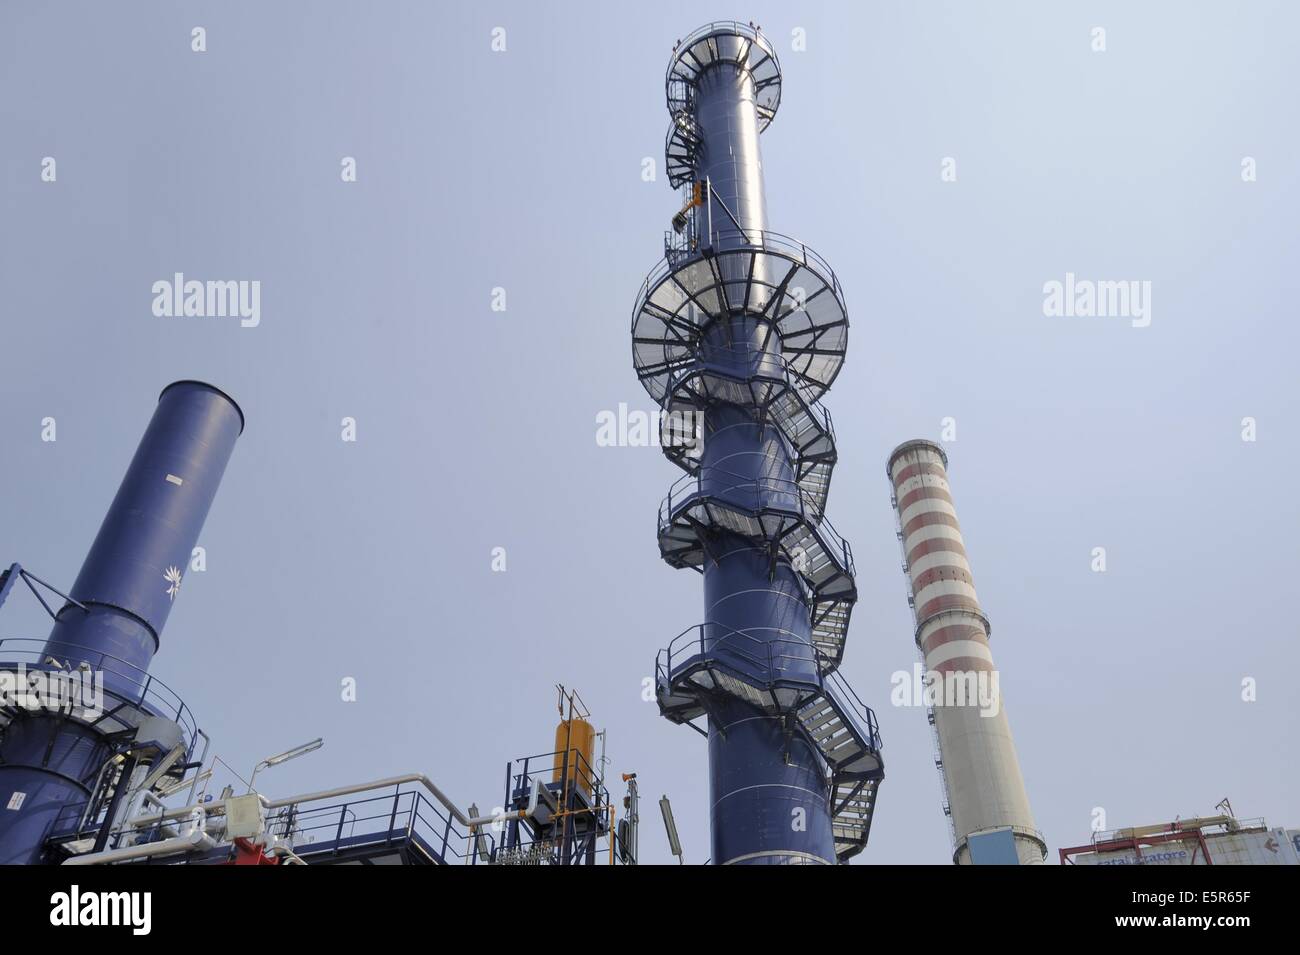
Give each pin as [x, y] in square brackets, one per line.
[402, 817]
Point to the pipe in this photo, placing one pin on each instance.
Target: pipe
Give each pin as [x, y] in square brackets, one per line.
[86, 813]
[120, 789]
[191, 842]
[288, 854]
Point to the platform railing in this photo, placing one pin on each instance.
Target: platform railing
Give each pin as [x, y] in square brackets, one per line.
[750, 363]
[542, 766]
[854, 709]
[754, 494]
[680, 78]
[769, 660]
[129, 685]
[737, 240]
[583, 807]
[403, 816]
[770, 655]
[747, 30]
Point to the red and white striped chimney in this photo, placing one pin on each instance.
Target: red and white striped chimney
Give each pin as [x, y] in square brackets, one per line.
[981, 773]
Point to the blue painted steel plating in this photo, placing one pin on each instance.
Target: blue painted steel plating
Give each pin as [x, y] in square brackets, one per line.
[748, 329]
[135, 567]
[130, 578]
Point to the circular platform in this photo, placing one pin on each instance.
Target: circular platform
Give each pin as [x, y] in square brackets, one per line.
[725, 41]
[762, 274]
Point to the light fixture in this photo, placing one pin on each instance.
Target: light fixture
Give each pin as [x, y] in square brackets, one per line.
[284, 757]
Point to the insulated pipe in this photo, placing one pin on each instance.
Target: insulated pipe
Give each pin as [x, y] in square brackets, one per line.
[130, 578]
[192, 842]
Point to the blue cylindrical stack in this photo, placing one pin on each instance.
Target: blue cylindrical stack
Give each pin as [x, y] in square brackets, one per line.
[123, 595]
[746, 329]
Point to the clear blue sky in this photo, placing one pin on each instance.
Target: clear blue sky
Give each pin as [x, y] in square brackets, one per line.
[476, 429]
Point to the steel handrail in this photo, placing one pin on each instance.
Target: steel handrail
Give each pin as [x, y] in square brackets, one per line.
[709, 647]
[758, 357]
[410, 806]
[595, 781]
[133, 676]
[746, 30]
[807, 510]
[153, 692]
[684, 79]
[855, 708]
[774, 242]
[827, 682]
[683, 129]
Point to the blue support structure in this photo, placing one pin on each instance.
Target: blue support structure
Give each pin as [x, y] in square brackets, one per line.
[58, 767]
[737, 333]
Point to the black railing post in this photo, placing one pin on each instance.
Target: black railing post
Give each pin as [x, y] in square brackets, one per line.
[338, 833]
[392, 818]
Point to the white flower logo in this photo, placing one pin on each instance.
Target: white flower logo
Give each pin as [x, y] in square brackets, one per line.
[173, 577]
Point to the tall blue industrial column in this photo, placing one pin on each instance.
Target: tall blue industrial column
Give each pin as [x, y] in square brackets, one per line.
[736, 334]
[50, 761]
